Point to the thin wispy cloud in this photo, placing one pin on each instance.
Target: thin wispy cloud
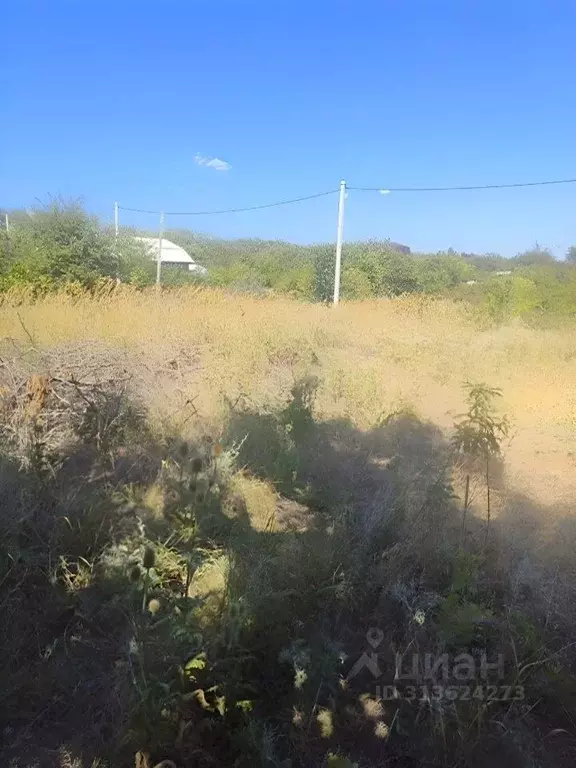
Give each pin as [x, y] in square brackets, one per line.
[212, 162]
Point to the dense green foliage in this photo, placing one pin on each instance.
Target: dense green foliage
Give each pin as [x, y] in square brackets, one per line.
[56, 243]
[61, 243]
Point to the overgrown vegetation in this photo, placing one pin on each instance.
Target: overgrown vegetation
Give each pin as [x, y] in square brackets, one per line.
[229, 539]
[61, 245]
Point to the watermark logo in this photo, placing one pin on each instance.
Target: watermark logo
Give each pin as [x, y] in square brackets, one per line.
[428, 676]
[435, 693]
[369, 661]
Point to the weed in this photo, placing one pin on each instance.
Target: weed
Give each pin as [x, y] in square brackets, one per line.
[478, 433]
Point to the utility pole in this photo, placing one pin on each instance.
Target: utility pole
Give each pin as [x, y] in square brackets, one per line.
[339, 235]
[159, 261]
[7, 223]
[116, 253]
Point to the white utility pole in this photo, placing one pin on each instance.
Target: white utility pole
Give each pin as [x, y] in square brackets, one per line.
[116, 254]
[339, 235]
[159, 261]
[7, 223]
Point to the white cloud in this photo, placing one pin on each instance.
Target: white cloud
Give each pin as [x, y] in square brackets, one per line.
[219, 165]
[212, 162]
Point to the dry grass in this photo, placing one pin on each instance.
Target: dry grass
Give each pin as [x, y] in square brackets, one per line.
[372, 358]
[285, 520]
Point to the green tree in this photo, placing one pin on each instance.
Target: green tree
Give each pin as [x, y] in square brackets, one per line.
[134, 263]
[536, 255]
[389, 272]
[400, 274]
[355, 283]
[556, 285]
[499, 299]
[437, 273]
[571, 254]
[488, 262]
[324, 273]
[297, 281]
[61, 242]
[525, 295]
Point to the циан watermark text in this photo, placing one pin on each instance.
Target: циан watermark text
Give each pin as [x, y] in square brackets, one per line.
[429, 676]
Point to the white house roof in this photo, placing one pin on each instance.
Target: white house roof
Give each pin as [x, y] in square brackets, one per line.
[171, 253]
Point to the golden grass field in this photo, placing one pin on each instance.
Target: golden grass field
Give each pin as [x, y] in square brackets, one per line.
[294, 540]
[372, 357]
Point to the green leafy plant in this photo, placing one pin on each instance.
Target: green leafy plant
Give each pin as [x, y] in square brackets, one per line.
[478, 434]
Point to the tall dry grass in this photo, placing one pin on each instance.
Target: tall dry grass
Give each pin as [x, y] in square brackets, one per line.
[372, 357]
[329, 517]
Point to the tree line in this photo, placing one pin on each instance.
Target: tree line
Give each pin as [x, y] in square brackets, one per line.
[59, 244]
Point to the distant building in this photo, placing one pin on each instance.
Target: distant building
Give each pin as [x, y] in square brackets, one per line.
[504, 272]
[405, 249]
[171, 254]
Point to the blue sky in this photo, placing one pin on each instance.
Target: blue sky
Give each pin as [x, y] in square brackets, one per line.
[130, 100]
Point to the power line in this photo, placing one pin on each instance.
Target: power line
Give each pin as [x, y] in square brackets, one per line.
[342, 190]
[460, 189]
[233, 210]
[355, 189]
[136, 210]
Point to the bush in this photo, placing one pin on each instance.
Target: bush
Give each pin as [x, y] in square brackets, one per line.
[133, 262]
[530, 293]
[356, 283]
[324, 273]
[437, 273]
[498, 299]
[298, 282]
[525, 296]
[57, 244]
[60, 242]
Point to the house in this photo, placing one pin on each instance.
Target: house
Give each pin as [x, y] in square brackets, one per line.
[172, 254]
[405, 249]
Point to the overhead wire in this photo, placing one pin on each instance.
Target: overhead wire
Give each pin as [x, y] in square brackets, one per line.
[383, 190]
[462, 188]
[233, 210]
